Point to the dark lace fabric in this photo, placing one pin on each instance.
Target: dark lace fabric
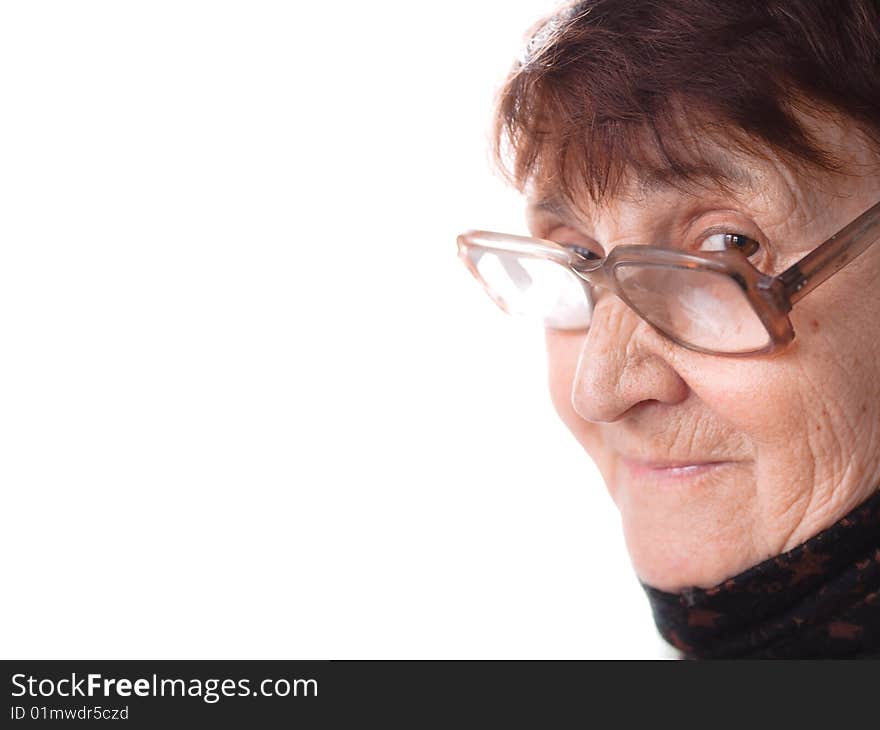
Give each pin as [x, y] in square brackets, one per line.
[820, 599]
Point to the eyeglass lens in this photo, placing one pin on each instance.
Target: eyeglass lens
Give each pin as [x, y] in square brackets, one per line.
[535, 288]
[701, 308]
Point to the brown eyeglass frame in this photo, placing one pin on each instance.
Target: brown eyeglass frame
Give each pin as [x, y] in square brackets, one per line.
[771, 297]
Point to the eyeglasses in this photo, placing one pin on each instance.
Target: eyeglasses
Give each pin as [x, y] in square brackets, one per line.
[714, 302]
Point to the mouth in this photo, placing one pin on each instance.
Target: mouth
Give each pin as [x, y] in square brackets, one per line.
[670, 472]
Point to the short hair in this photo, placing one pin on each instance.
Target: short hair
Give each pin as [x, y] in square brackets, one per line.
[607, 87]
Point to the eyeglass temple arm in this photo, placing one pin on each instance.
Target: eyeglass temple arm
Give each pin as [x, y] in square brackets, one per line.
[832, 255]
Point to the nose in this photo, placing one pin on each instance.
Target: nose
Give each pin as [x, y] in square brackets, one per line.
[623, 361]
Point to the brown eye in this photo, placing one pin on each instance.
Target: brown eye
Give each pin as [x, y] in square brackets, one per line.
[748, 246]
[722, 241]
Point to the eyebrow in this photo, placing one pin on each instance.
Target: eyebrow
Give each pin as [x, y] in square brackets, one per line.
[703, 179]
[553, 205]
[707, 175]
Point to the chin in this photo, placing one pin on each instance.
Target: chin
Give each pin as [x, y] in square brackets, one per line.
[673, 558]
[680, 539]
[669, 569]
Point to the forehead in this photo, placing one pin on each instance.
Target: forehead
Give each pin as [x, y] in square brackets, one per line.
[716, 169]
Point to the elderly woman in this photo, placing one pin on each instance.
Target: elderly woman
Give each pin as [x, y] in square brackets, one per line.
[694, 170]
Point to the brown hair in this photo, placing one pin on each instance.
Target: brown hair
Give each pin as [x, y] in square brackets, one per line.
[610, 86]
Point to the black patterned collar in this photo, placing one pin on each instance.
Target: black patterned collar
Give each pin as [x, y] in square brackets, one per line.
[819, 599]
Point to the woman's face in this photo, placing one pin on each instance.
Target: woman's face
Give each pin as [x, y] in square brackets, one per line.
[789, 443]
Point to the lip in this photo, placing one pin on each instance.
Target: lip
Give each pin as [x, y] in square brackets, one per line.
[670, 471]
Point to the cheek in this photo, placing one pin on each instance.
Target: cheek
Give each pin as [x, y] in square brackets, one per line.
[562, 356]
[563, 350]
[756, 408]
[789, 400]
[738, 392]
[791, 414]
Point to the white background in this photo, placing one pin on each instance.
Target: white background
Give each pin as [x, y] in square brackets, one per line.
[251, 404]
